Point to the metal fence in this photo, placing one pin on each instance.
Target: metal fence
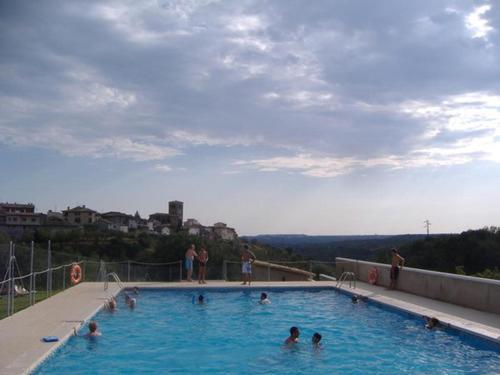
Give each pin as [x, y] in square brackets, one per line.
[47, 276]
[33, 273]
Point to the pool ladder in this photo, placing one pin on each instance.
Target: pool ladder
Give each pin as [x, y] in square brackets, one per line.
[347, 277]
[115, 277]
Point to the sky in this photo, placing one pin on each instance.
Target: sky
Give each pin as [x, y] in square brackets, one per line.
[307, 117]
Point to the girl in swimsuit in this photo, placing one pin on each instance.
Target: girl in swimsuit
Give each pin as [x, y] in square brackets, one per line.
[202, 260]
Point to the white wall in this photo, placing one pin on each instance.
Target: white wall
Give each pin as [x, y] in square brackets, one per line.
[474, 292]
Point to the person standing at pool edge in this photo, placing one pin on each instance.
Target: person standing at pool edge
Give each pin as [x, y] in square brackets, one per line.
[202, 265]
[190, 254]
[396, 261]
[247, 258]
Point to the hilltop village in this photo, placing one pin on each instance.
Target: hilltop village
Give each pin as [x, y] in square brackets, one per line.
[18, 218]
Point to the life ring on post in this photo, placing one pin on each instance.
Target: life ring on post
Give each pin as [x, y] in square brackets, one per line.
[75, 274]
[373, 276]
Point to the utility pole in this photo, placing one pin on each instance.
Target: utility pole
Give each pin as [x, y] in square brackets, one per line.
[427, 226]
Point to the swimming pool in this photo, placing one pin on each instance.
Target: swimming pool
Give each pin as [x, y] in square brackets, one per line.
[233, 334]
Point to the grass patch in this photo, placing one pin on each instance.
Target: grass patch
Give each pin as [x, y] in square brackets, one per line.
[22, 302]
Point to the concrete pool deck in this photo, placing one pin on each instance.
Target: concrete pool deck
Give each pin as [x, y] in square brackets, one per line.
[21, 334]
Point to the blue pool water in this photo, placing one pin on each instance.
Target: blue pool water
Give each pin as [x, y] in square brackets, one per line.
[233, 334]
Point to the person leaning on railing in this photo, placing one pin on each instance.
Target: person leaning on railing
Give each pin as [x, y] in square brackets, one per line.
[247, 258]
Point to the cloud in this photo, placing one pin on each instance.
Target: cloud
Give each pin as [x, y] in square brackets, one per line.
[58, 139]
[478, 26]
[321, 90]
[162, 168]
[185, 138]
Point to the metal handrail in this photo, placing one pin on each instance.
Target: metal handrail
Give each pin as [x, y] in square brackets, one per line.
[347, 276]
[115, 277]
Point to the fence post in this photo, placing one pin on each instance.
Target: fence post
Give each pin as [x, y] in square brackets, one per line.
[224, 270]
[64, 277]
[9, 286]
[180, 270]
[310, 266]
[34, 288]
[83, 270]
[169, 272]
[268, 272]
[128, 271]
[49, 273]
[13, 264]
[31, 272]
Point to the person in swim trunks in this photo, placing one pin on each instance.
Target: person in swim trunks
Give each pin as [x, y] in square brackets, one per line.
[247, 258]
[190, 254]
[397, 262]
[294, 336]
[202, 265]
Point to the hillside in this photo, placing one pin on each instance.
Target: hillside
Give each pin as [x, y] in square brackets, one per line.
[326, 248]
[474, 252]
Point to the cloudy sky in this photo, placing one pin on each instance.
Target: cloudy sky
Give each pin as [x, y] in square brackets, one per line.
[316, 117]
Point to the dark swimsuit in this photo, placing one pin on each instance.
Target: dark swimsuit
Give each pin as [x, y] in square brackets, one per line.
[394, 272]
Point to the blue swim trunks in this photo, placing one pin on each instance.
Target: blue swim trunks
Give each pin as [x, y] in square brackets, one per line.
[246, 267]
[189, 264]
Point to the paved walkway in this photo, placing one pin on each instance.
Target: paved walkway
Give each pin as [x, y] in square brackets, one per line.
[477, 322]
[20, 334]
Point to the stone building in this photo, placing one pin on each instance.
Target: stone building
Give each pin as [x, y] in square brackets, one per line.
[222, 231]
[193, 227]
[176, 212]
[173, 219]
[19, 214]
[80, 215]
[121, 220]
[18, 218]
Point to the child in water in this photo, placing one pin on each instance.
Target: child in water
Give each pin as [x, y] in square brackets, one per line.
[263, 299]
[431, 322]
[294, 336]
[111, 304]
[316, 338]
[93, 332]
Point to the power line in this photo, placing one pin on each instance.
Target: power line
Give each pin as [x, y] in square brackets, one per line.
[427, 226]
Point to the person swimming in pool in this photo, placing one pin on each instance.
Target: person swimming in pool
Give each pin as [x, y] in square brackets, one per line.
[294, 336]
[111, 304]
[93, 331]
[357, 298]
[316, 338]
[263, 299]
[431, 322]
[201, 299]
[132, 302]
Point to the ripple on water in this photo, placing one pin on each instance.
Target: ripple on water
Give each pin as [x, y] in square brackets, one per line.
[233, 334]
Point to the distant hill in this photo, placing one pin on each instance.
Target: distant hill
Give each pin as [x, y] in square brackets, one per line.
[326, 248]
[474, 252]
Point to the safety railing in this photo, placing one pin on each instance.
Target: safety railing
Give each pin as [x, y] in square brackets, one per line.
[115, 277]
[18, 290]
[349, 277]
[23, 290]
[231, 269]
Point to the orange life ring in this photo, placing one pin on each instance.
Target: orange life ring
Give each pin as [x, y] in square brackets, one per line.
[373, 276]
[75, 274]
